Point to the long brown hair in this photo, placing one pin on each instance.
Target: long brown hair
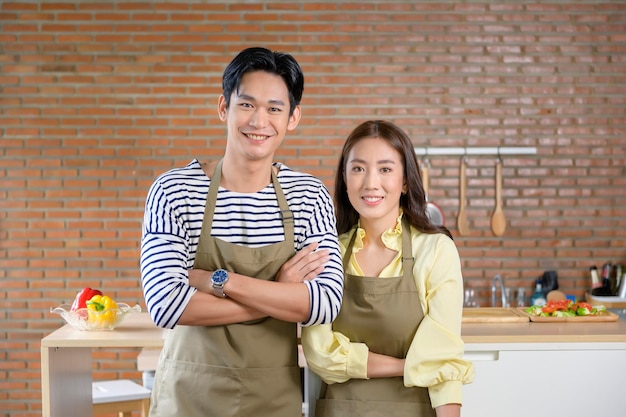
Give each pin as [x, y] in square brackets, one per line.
[413, 202]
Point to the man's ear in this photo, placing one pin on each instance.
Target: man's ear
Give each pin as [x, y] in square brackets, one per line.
[294, 119]
[221, 108]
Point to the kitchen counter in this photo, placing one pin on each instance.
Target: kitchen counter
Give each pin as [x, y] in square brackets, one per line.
[522, 369]
[530, 332]
[509, 358]
[66, 362]
[137, 330]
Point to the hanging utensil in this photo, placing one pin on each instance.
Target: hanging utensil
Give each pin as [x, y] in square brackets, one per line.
[433, 211]
[498, 221]
[461, 220]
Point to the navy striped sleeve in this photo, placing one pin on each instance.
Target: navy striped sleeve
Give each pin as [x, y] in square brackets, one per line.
[173, 221]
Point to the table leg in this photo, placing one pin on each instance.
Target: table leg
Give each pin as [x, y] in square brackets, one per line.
[312, 386]
[66, 382]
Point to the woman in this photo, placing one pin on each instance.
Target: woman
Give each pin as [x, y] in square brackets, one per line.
[395, 348]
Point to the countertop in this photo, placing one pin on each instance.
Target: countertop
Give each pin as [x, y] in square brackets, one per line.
[589, 332]
[138, 330]
[582, 331]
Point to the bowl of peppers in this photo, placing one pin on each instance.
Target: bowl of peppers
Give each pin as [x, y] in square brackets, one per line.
[94, 311]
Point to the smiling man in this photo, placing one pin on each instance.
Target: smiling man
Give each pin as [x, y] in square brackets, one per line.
[235, 252]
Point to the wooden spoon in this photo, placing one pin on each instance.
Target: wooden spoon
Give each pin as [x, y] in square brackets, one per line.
[498, 221]
[461, 220]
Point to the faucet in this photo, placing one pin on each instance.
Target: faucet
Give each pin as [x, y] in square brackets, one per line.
[503, 292]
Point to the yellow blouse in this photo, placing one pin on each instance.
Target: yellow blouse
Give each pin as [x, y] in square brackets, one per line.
[435, 357]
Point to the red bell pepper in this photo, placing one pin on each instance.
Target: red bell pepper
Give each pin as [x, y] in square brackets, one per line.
[83, 296]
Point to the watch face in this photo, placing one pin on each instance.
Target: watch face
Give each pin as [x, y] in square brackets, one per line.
[220, 276]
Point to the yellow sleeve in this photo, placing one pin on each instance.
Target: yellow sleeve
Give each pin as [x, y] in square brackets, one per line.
[332, 356]
[435, 357]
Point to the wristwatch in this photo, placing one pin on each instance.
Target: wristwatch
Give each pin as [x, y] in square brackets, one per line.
[218, 279]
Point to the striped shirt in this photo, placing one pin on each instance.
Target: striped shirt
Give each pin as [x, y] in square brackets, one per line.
[173, 221]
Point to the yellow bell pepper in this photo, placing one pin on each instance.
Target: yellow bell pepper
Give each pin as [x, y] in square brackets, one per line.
[102, 310]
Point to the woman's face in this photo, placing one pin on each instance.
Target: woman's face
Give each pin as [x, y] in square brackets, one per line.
[374, 178]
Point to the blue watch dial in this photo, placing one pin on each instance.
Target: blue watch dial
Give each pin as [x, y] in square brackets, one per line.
[220, 276]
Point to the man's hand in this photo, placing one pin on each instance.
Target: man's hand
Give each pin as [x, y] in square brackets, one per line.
[201, 279]
[304, 265]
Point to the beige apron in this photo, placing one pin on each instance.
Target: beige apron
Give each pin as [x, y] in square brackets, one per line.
[243, 370]
[383, 313]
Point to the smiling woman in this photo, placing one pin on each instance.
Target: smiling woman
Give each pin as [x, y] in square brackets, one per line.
[403, 290]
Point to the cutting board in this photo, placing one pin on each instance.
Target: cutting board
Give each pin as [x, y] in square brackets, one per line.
[493, 315]
[602, 316]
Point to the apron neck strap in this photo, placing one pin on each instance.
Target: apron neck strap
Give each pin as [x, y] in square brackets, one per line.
[286, 214]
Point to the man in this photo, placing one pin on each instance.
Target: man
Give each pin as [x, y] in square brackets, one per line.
[217, 257]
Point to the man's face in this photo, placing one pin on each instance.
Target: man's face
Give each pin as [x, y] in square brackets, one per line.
[258, 116]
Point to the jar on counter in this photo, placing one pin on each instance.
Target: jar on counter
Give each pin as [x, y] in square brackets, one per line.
[538, 298]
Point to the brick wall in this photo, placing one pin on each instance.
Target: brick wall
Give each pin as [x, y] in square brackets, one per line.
[97, 98]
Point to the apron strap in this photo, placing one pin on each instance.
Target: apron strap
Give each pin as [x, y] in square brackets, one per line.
[286, 213]
[407, 249]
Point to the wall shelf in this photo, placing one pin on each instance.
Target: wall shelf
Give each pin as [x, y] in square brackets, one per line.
[480, 151]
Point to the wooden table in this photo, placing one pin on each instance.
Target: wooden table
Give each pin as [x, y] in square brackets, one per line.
[66, 362]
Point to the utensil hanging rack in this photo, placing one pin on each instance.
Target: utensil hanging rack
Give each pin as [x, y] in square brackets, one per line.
[476, 151]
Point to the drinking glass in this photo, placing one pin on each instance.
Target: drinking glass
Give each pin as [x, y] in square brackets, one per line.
[470, 299]
[521, 297]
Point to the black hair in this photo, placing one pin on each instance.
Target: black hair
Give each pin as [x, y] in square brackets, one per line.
[413, 202]
[262, 59]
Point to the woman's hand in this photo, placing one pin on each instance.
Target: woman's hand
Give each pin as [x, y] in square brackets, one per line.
[448, 410]
[305, 265]
[384, 366]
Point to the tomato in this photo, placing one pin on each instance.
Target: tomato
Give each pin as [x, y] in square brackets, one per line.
[557, 305]
[548, 309]
[561, 308]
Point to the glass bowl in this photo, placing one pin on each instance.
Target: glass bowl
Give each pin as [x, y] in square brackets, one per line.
[85, 319]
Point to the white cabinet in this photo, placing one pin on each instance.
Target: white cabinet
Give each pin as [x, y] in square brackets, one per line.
[539, 379]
